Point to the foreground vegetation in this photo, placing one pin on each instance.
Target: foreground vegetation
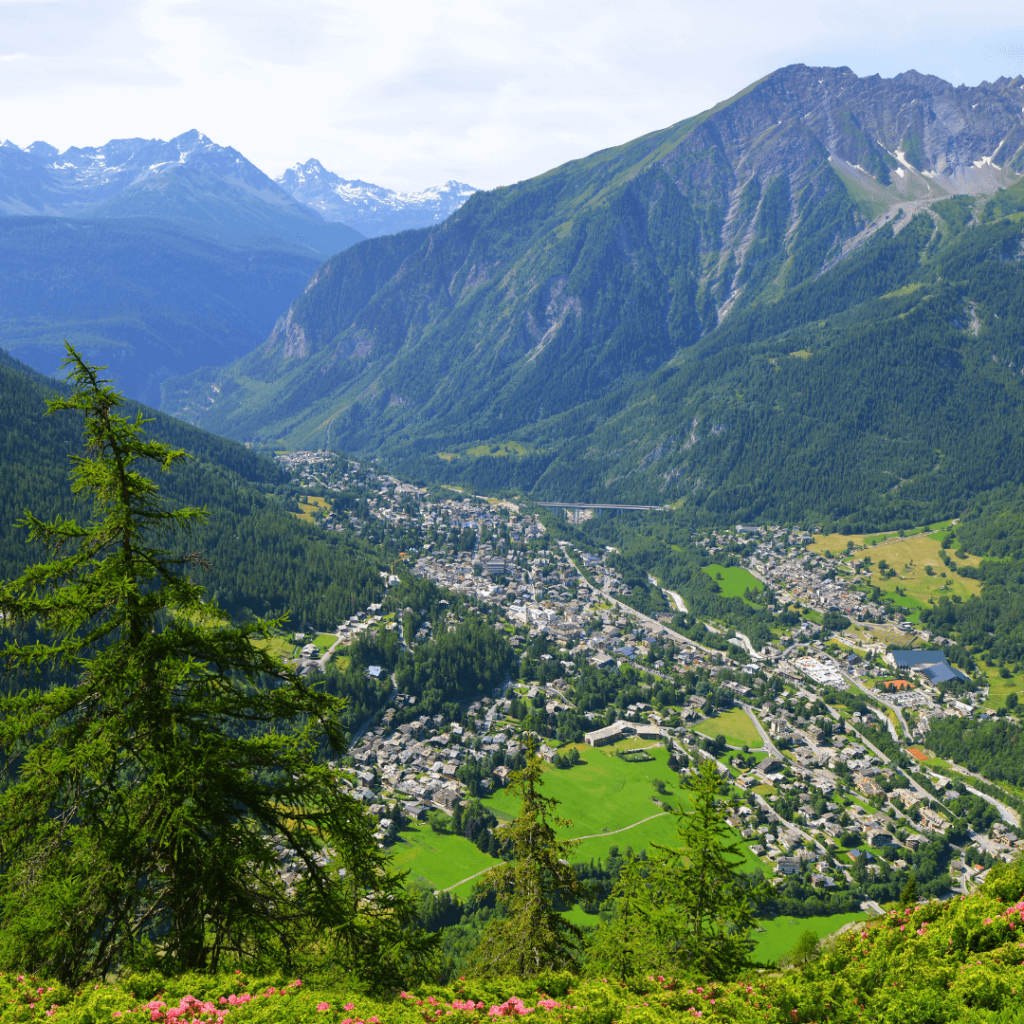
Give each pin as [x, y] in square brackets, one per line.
[959, 961]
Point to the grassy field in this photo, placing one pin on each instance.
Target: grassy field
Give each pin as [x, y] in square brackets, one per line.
[780, 934]
[730, 755]
[734, 725]
[438, 860]
[837, 543]
[505, 449]
[910, 556]
[607, 799]
[999, 687]
[605, 793]
[309, 503]
[283, 646]
[733, 579]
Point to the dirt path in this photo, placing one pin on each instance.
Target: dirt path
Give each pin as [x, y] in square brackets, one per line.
[597, 835]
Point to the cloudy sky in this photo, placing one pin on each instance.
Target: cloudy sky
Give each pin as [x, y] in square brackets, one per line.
[409, 94]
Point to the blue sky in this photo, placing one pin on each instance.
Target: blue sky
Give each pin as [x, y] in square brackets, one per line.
[410, 94]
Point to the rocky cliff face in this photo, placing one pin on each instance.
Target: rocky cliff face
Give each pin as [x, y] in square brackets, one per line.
[534, 300]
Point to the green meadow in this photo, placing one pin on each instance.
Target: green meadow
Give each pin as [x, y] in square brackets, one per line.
[604, 793]
[733, 580]
[734, 725]
[438, 859]
[780, 934]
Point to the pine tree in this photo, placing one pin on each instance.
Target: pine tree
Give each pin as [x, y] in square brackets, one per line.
[532, 936]
[156, 759]
[908, 897]
[692, 909]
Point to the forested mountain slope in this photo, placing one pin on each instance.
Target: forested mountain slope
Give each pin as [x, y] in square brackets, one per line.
[534, 302]
[888, 389]
[263, 560]
[153, 257]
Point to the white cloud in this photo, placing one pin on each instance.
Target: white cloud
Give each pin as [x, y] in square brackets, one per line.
[412, 93]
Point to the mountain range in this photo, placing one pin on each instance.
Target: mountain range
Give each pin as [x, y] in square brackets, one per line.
[156, 257]
[708, 314]
[371, 209]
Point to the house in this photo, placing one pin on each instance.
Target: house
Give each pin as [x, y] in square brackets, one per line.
[446, 799]
[652, 732]
[787, 865]
[867, 786]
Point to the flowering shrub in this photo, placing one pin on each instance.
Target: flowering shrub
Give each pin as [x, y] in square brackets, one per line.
[959, 962]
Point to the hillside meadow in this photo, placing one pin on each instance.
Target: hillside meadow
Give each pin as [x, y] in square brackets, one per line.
[610, 802]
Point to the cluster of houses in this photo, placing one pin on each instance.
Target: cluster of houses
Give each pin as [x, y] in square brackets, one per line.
[564, 594]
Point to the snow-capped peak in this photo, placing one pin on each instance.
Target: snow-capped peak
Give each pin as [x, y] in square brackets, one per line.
[371, 209]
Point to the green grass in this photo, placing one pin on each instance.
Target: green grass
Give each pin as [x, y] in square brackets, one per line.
[734, 725]
[734, 579]
[604, 793]
[909, 557]
[837, 542]
[999, 688]
[325, 640]
[281, 646]
[609, 793]
[437, 859]
[310, 503]
[780, 933]
[730, 756]
[501, 450]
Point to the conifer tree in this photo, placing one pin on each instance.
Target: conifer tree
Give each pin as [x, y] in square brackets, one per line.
[156, 760]
[692, 909]
[532, 936]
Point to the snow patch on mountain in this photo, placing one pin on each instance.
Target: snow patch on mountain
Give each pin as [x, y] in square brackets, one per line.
[371, 209]
[41, 179]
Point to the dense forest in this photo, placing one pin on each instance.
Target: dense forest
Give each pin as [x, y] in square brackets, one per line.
[993, 749]
[262, 560]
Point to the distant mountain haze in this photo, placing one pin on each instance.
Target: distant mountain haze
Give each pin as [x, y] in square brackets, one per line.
[154, 257]
[600, 292]
[371, 209]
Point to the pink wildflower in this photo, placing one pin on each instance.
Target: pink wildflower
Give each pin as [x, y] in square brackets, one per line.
[352, 1006]
[323, 1007]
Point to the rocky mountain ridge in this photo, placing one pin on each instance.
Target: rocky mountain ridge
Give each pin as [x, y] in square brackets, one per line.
[42, 180]
[169, 255]
[371, 209]
[533, 300]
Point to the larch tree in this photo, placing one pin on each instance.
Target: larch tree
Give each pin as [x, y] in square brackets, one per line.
[156, 759]
[690, 908]
[532, 935]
